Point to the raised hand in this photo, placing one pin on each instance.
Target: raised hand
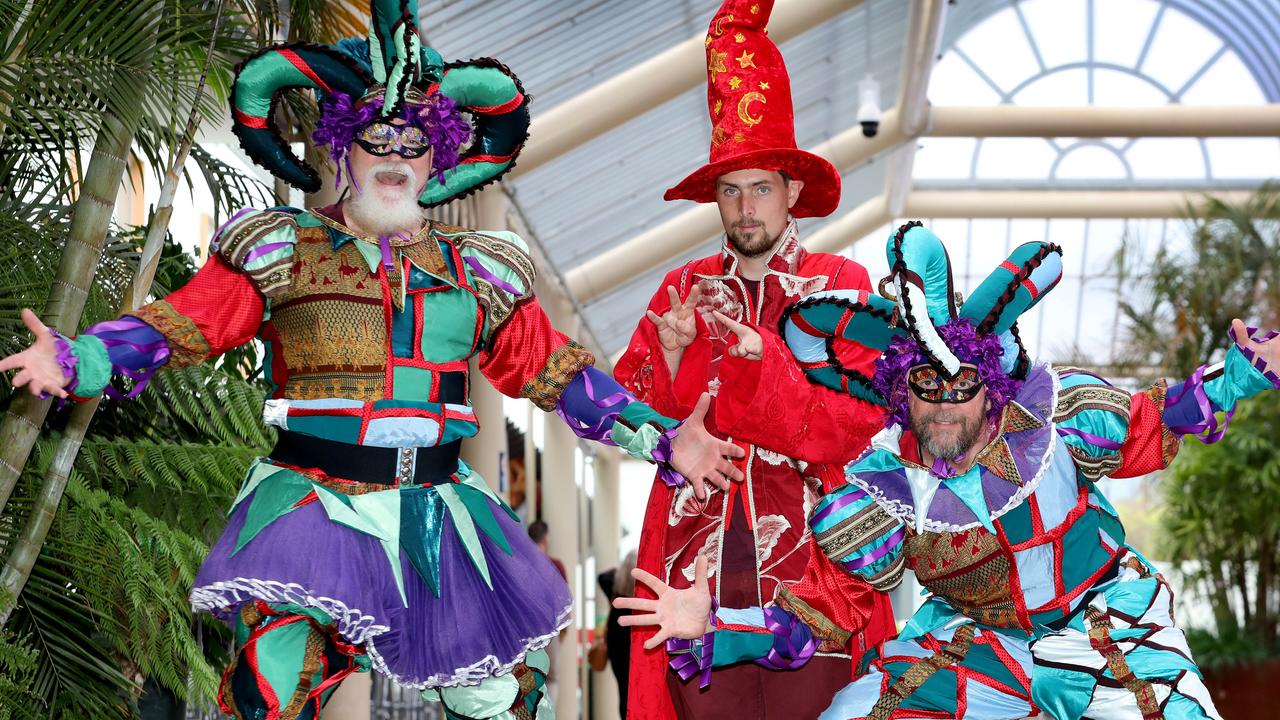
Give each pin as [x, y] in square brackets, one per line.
[702, 457]
[1268, 350]
[750, 345]
[678, 326]
[40, 370]
[677, 613]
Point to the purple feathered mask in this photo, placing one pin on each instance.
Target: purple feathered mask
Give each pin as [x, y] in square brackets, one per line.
[342, 118]
[983, 351]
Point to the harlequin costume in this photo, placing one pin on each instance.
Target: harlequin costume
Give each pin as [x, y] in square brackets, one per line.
[1036, 604]
[755, 534]
[362, 540]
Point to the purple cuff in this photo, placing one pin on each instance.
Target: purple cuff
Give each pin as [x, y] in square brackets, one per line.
[793, 641]
[591, 403]
[1251, 333]
[693, 657]
[662, 455]
[1190, 400]
[136, 350]
[66, 360]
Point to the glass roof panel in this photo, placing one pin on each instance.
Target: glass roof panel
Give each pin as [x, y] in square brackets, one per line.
[1252, 158]
[1063, 87]
[1000, 48]
[1181, 46]
[1120, 29]
[1059, 30]
[1029, 158]
[1226, 82]
[1166, 158]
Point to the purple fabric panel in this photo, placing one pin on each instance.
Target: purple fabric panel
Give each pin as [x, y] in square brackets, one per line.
[433, 635]
[1192, 391]
[1182, 406]
[136, 350]
[590, 404]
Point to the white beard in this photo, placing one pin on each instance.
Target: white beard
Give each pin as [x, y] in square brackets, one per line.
[384, 210]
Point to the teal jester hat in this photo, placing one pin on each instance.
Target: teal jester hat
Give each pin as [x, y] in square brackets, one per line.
[394, 66]
[915, 299]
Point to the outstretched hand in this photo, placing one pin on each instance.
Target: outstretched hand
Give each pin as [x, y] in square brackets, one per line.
[702, 457]
[750, 345]
[39, 368]
[1268, 350]
[677, 613]
[678, 326]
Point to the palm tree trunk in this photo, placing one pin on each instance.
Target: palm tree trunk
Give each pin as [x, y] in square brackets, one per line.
[90, 218]
[1264, 618]
[26, 550]
[1224, 618]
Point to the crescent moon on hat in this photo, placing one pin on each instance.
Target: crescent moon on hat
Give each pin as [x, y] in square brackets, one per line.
[744, 108]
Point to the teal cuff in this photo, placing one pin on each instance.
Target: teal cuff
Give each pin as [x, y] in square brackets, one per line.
[93, 365]
[1239, 380]
[735, 646]
[640, 430]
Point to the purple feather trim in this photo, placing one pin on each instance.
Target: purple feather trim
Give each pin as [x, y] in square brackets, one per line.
[793, 641]
[342, 118]
[904, 353]
[686, 662]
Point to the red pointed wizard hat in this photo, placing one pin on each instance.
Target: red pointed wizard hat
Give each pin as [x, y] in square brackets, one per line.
[749, 97]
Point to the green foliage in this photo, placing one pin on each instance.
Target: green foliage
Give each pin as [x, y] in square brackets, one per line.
[1219, 522]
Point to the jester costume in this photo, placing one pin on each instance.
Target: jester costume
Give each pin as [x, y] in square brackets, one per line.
[1035, 604]
[362, 540]
[755, 534]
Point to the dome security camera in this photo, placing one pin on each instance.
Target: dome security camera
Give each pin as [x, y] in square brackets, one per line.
[869, 106]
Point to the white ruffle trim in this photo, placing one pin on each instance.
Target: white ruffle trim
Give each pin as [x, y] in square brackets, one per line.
[887, 439]
[354, 625]
[359, 628]
[473, 674]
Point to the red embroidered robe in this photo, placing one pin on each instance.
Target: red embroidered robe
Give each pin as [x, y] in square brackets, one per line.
[769, 408]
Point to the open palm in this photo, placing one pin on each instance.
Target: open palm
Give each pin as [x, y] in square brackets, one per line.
[677, 613]
[38, 364]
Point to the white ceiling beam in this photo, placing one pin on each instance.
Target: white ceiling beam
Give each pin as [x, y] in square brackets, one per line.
[924, 34]
[1057, 203]
[850, 227]
[649, 84]
[1094, 121]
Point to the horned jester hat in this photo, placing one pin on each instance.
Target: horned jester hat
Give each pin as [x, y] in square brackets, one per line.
[922, 320]
[473, 114]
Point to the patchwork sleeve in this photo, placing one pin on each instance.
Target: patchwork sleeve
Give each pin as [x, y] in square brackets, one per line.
[501, 271]
[217, 310]
[259, 243]
[1110, 432]
[858, 535]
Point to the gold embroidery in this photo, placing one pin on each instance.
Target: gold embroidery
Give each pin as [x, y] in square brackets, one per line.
[997, 458]
[1016, 418]
[187, 345]
[822, 626]
[1169, 441]
[1073, 401]
[562, 366]
[497, 302]
[270, 279]
[1100, 639]
[969, 570]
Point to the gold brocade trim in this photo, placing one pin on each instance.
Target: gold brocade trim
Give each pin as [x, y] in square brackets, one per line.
[1100, 639]
[1170, 442]
[270, 279]
[563, 365]
[1075, 400]
[920, 671]
[187, 345]
[498, 303]
[1016, 418]
[855, 531]
[822, 626]
[1095, 468]
[997, 458]
[969, 570]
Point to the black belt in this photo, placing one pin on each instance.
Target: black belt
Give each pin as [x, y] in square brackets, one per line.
[363, 463]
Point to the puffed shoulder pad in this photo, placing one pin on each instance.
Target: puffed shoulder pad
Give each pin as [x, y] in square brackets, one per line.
[859, 535]
[260, 243]
[1092, 419]
[500, 268]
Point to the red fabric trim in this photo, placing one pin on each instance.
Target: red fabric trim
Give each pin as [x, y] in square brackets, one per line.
[1064, 602]
[1019, 602]
[1082, 506]
[304, 68]
[520, 348]
[505, 107]
[417, 300]
[450, 366]
[487, 158]
[250, 121]
[1142, 451]
[388, 374]
[1037, 522]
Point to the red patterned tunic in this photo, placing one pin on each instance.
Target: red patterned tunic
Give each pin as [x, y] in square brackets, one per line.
[756, 534]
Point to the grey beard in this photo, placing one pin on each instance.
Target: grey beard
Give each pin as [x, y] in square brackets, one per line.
[374, 215]
[969, 434]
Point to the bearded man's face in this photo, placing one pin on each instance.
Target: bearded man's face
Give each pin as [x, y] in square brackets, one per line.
[384, 195]
[948, 430]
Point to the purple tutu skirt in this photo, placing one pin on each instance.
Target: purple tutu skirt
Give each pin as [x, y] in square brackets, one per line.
[467, 633]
